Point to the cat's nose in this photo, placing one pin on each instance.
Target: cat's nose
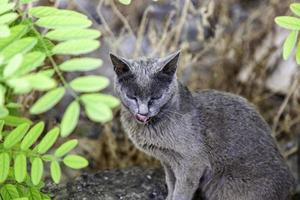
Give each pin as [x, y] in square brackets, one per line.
[143, 109]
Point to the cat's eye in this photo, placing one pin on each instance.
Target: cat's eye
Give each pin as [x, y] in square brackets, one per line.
[131, 97]
[156, 97]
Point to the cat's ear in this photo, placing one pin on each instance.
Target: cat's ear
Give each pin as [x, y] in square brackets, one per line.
[169, 63]
[121, 65]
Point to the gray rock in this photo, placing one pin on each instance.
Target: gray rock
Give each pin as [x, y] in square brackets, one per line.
[124, 184]
[129, 184]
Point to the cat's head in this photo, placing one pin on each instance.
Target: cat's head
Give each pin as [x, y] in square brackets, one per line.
[145, 86]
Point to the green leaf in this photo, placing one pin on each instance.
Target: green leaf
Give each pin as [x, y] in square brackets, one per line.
[2, 2]
[13, 105]
[97, 111]
[57, 22]
[89, 83]
[8, 18]
[35, 81]
[34, 194]
[3, 112]
[81, 64]
[20, 167]
[48, 141]
[47, 72]
[42, 11]
[32, 136]
[75, 161]
[67, 34]
[4, 166]
[125, 2]
[13, 65]
[45, 11]
[9, 192]
[70, 13]
[291, 23]
[16, 33]
[26, 2]
[37, 169]
[289, 44]
[298, 53]
[55, 171]
[16, 135]
[66, 148]
[20, 85]
[1, 129]
[44, 45]
[4, 31]
[295, 8]
[108, 100]
[19, 46]
[70, 119]
[48, 157]
[47, 101]
[6, 7]
[2, 95]
[22, 190]
[31, 61]
[76, 47]
[15, 121]
[45, 197]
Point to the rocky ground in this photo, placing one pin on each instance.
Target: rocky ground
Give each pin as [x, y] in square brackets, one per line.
[130, 184]
[125, 184]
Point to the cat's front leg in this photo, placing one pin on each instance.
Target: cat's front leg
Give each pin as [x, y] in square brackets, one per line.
[187, 182]
[170, 180]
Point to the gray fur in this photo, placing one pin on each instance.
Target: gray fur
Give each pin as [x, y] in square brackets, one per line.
[213, 140]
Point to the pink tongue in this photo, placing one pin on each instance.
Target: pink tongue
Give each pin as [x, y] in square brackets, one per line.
[141, 118]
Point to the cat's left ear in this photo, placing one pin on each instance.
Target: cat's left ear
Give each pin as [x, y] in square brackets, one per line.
[121, 66]
[169, 63]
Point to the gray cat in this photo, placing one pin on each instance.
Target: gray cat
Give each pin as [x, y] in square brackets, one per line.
[211, 140]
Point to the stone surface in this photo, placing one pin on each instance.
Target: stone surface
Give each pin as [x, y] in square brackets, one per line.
[129, 184]
[126, 184]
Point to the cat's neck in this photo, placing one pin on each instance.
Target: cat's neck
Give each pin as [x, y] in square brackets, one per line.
[181, 100]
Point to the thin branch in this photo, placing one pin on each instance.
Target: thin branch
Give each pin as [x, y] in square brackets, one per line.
[141, 32]
[291, 91]
[165, 33]
[58, 72]
[182, 20]
[122, 18]
[103, 20]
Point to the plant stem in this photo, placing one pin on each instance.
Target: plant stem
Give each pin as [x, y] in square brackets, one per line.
[53, 63]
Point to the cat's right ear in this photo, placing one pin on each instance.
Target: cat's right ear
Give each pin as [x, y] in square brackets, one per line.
[121, 66]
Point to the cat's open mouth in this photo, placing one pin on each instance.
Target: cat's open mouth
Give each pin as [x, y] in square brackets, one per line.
[142, 118]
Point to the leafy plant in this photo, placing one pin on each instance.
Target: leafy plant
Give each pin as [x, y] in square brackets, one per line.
[292, 24]
[125, 2]
[30, 43]
[20, 147]
[25, 50]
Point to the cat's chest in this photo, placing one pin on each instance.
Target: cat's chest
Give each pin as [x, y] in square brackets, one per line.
[167, 134]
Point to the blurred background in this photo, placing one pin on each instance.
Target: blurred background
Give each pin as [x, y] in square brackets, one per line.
[228, 45]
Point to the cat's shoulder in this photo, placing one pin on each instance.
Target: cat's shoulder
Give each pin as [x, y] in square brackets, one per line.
[211, 94]
[220, 98]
